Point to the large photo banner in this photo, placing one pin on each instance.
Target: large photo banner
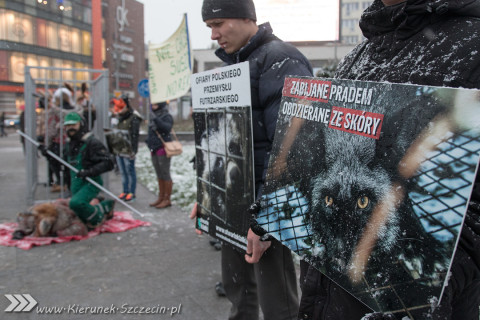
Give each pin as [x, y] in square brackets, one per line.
[369, 183]
[170, 66]
[224, 152]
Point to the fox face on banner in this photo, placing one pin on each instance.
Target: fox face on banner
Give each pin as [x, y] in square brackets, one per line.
[369, 182]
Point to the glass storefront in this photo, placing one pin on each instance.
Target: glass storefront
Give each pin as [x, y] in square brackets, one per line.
[22, 28]
[17, 62]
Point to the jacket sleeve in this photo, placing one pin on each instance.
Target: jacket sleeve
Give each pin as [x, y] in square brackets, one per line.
[98, 159]
[164, 124]
[270, 95]
[135, 133]
[271, 86]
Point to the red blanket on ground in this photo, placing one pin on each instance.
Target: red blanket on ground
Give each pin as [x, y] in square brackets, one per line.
[122, 221]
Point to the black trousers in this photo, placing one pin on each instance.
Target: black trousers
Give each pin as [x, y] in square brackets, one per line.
[322, 299]
[271, 284]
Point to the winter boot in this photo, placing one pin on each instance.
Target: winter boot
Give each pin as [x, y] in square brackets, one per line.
[167, 192]
[160, 194]
[103, 211]
[109, 205]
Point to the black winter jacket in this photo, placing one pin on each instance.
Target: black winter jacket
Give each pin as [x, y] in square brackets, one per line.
[271, 60]
[95, 159]
[161, 122]
[417, 42]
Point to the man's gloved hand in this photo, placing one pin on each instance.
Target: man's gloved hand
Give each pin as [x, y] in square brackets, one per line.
[194, 163]
[82, 174]
[253, 211]
[43, 150]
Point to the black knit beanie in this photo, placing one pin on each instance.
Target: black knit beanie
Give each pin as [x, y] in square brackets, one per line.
[240, 9]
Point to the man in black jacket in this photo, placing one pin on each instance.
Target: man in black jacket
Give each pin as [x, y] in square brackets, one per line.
[269, 277]
[91, 158]
[425, 43]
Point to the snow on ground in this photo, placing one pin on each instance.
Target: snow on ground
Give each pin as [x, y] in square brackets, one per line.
[183, 176]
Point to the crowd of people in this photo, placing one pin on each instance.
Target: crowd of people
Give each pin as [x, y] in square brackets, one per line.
[406, 42]
[65, 129]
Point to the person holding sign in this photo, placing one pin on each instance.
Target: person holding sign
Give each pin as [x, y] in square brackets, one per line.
[266, 274]
[129, 122]
[424, 43]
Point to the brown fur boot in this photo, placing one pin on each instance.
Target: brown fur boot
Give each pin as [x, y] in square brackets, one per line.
[160, 194]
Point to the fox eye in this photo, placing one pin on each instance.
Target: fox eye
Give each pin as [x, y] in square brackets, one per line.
[363, 202]
[328, 201]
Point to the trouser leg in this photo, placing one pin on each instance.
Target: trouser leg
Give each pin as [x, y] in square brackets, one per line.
[80, 204]
[122, 167]
[277, 283]
[461, 298]
[132, 175]
[239, 282]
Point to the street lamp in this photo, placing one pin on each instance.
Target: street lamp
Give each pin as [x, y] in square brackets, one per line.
[60, 5]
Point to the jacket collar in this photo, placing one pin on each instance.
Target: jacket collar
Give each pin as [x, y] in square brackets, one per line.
[263, 35]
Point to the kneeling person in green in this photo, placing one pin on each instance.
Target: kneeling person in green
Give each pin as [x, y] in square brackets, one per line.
[91, 158]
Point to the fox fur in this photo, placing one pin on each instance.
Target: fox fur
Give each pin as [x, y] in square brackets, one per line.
[49, 220]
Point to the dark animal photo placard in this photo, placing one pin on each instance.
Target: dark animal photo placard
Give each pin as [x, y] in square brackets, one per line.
[369, 183]
[224, 152]
[225, 190]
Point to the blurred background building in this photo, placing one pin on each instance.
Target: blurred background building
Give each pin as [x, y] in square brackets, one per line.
[58, 33]
[61, 33]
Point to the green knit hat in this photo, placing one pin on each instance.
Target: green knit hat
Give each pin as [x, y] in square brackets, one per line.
[72, 118]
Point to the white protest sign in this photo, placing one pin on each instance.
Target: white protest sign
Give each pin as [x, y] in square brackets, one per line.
[223, 87]
[170, 66]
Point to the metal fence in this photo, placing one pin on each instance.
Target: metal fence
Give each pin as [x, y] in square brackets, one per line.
[47, 80]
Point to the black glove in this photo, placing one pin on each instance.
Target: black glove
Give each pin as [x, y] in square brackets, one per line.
[82, 174]
[43, 150]
[253, 211]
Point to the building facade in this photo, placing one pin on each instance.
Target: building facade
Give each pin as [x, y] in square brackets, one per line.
[123, 32]
[58, 33]
[350, 33]
[41, 33]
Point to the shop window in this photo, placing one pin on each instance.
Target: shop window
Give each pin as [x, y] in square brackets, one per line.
[17, 67]
[65, 38]
[52, 36]
[67, 74]
[81, 75]
[44, 73]
[76, 40]
[3, 25]
[32, 61]
[86, 43]
[19, 27]
[58, 64]
[3, 66]
[41, 33]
